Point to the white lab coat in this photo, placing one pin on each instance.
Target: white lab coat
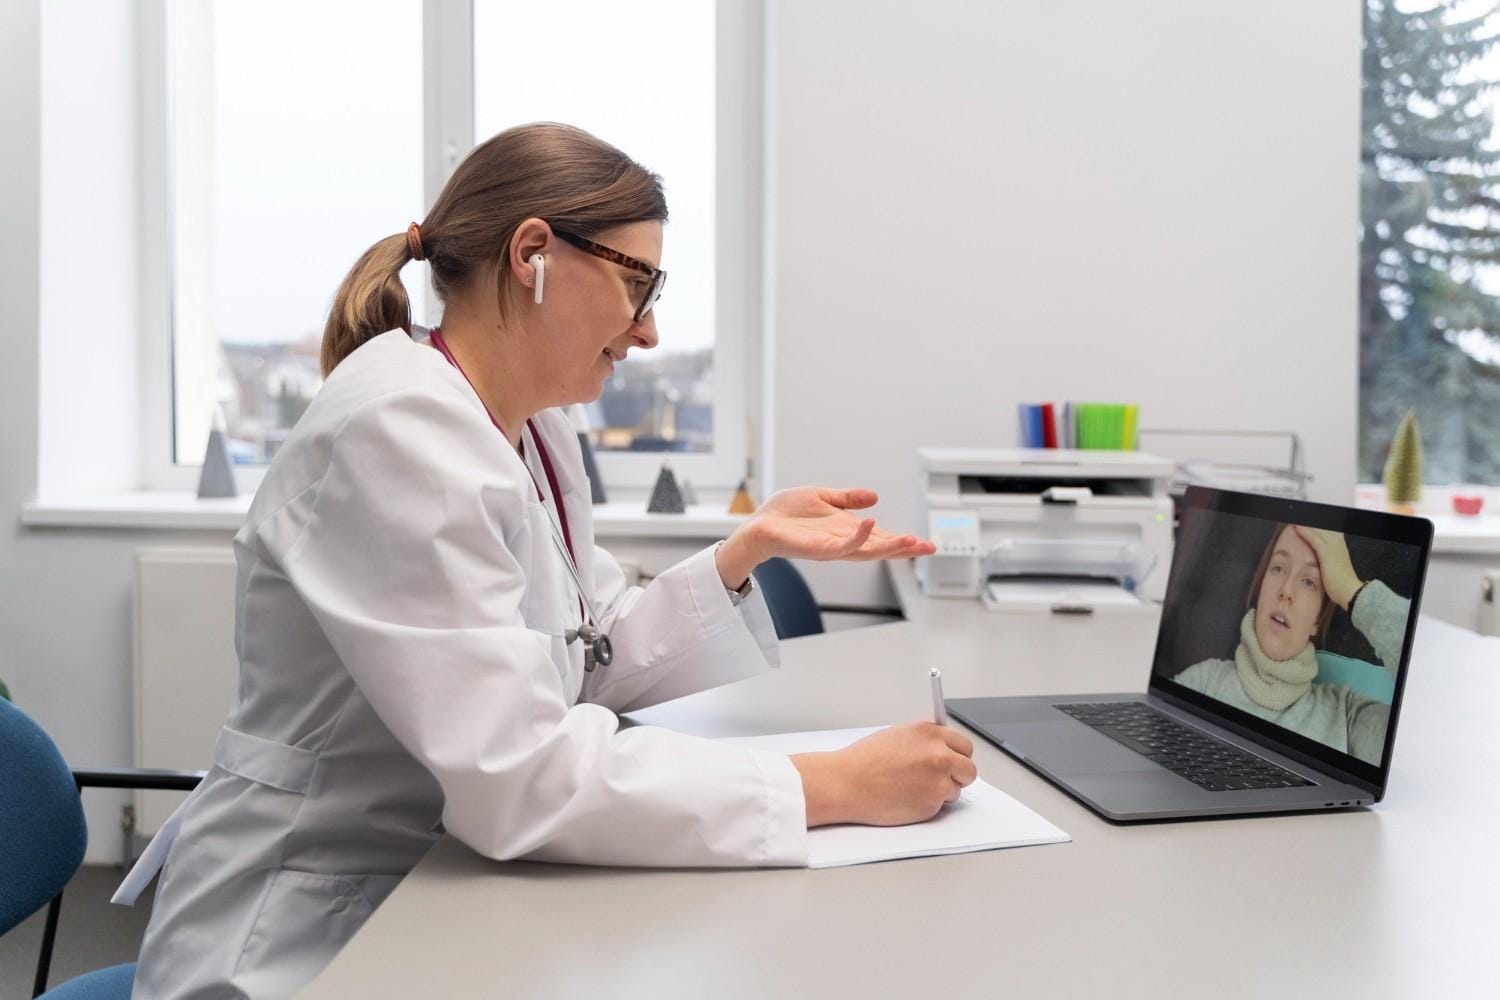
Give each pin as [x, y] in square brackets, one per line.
[400, 620]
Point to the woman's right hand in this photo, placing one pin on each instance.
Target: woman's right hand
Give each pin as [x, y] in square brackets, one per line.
[1334, 565]
[899, 775]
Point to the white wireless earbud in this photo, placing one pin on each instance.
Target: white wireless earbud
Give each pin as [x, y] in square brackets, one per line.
[540, 263]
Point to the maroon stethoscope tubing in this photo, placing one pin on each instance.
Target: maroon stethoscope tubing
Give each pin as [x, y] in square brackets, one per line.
[541, 449]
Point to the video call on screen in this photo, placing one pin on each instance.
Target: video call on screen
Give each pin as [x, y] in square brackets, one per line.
[1254, 620]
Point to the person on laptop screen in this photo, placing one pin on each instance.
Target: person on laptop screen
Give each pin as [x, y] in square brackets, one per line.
[1305, 575]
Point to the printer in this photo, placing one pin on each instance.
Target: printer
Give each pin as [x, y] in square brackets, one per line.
[1057, 530]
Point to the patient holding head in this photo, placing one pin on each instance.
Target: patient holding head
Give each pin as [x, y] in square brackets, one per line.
[1304, 577]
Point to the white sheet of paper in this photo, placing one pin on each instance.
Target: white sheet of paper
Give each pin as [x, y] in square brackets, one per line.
[982, 819]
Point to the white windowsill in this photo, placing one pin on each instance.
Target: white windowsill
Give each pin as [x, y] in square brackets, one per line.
[1452, 534]
[168, 511]
[155, 510]
[1455, 533]
[623, 518]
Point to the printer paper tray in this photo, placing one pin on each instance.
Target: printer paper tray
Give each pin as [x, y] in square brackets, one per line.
[1062, 596]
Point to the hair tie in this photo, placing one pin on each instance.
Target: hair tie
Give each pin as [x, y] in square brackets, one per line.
[414, 242]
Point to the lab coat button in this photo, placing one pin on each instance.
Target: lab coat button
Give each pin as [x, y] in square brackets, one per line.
[340, 904]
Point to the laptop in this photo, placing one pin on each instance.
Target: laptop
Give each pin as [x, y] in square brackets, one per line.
[1281, 660]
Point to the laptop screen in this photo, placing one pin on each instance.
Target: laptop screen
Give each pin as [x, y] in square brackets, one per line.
[1295, 620]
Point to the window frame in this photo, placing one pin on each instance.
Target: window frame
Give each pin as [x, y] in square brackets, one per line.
[448, 134]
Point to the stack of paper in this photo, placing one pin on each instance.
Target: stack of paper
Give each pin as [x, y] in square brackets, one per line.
[982, 819]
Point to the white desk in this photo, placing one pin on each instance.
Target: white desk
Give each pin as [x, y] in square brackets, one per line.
[1395, 901]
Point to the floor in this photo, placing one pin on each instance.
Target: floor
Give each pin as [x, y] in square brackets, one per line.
[91, 933]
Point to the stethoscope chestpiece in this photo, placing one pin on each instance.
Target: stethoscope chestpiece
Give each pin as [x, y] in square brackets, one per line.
[598, 651]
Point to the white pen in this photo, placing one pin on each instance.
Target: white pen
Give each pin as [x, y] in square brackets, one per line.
[939, 710]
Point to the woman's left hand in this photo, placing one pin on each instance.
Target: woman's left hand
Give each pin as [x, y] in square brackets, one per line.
[1337, 569]
[813, 522]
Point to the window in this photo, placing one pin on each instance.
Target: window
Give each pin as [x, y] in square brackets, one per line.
[1430, 237]
[290, 151]
[645, 84]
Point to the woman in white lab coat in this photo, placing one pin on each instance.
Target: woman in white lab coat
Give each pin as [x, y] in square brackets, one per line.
[413, 578]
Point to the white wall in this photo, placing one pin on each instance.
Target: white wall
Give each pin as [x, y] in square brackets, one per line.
[1453, 591]
[985, 203]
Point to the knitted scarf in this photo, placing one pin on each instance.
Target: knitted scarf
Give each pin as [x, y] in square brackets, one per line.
[1273, 684]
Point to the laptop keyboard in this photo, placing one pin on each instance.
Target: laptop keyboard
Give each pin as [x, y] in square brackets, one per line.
[1207, 762]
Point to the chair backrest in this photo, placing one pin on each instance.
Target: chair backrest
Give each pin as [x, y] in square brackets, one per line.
[793, 609]
[42, 833]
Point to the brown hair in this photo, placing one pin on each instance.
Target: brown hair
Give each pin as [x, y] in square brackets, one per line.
[544, 170]
[1324, 616]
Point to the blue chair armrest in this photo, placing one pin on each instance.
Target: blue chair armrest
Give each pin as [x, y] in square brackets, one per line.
[138, 777]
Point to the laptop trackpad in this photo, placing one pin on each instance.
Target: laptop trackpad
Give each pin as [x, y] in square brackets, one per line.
[1069, 747]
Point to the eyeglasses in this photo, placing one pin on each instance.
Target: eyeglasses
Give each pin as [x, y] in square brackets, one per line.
[653, 288]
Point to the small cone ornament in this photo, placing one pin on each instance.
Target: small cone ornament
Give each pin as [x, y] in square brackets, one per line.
[579, 418]
[666, 498]
[689, 495]
[591, 469]
[741, 503]
[216, 481]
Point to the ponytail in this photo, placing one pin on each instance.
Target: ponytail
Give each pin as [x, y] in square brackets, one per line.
[370, 301]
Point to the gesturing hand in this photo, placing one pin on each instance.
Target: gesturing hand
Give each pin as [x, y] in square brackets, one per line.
[813, 522]
[1337, 569]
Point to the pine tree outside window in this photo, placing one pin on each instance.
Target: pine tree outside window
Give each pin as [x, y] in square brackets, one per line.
[1430, 236]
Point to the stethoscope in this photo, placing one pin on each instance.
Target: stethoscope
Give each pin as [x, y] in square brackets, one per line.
[597, 649]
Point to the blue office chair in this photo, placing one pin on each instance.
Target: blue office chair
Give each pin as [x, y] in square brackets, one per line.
[42, 827]
[793, 609]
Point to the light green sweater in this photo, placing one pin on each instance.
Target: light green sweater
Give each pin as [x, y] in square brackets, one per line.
[1329, 713]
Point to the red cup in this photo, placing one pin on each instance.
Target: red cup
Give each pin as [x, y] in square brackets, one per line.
[1469, 505]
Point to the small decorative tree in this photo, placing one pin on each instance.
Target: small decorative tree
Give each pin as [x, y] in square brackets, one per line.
[1403, 467]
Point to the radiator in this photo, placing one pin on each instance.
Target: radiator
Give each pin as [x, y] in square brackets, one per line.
[1489, 602]
[184, 665]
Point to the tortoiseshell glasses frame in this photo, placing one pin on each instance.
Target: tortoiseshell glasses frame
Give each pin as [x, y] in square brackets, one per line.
[654, 286]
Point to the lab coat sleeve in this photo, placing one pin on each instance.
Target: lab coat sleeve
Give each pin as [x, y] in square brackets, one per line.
[678, 635]
[406, 561]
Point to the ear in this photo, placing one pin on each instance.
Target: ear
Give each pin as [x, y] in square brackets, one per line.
[533, 236]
